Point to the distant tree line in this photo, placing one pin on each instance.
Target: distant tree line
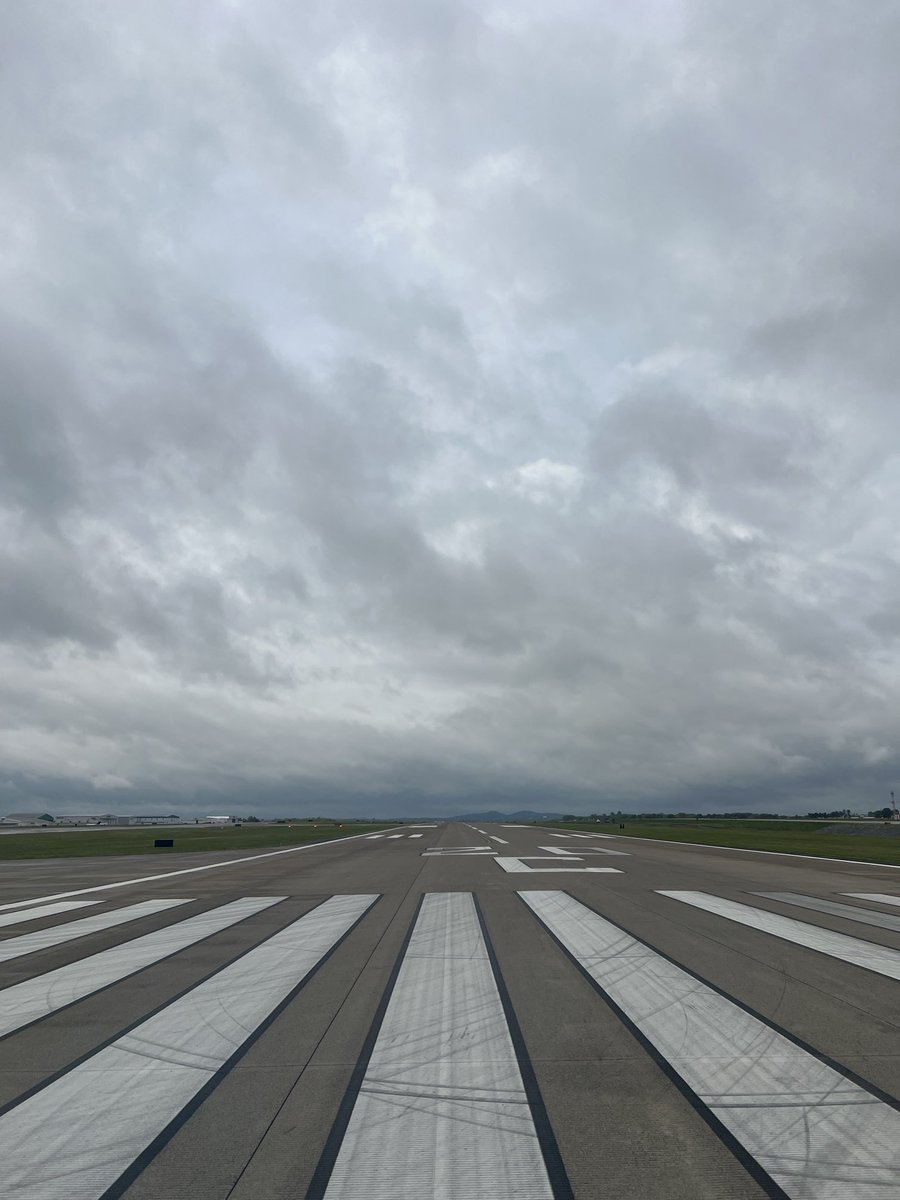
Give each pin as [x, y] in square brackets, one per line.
[835, 815]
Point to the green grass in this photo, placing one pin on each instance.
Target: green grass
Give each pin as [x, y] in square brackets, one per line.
[791, 837]
[187, 838]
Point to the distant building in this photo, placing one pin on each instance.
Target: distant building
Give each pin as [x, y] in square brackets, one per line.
[171, 819]
[87, 819]
[25, 819]
[219, 820]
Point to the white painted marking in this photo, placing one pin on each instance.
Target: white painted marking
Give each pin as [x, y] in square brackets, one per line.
[74, 1138]
[442, 1110]
[371, 837]
[416, 835]
[422, 827]
[216, 866]
[516, 827]
[22, 1003]
[848, 912]
[561, 835]
[816, 1133]
[558, 850]
[435, 851]
[494, 838]
[482, 832]
[880, 959]
[49, 910]
[392, 836]
[43, 939]
[875, 897]
[820, 858]
[585, 850]
[519, 864]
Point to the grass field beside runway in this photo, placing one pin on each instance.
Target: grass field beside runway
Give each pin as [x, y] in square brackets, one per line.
[187, 838]
[786, 837]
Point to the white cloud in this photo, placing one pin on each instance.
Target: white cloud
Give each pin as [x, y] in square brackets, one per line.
[543, 482]
[111, 783]
[419, 400]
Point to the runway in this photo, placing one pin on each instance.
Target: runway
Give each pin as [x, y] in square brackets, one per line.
[462, 1012]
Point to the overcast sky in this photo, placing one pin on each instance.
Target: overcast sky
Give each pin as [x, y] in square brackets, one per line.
[423, 406]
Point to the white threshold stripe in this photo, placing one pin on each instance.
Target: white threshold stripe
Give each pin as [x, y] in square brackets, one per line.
[875, 897]
[28, 1001]
[43, 939]
[49, 910]
[816, 1133]
[216, 866]
[494, 838]
[849, 912]
[417, 835]
[880, 959]
[75, 1137]
[442, 1111]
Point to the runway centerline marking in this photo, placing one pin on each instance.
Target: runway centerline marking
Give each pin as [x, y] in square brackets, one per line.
[787, 1112]
[57, 935]
[868, 955]
[441, 1108]
[23, 1003]
[79, 1135]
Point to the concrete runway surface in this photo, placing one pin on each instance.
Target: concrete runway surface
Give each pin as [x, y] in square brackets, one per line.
[458, 1012]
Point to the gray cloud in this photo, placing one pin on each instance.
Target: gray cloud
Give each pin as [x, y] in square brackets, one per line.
[412, 405]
